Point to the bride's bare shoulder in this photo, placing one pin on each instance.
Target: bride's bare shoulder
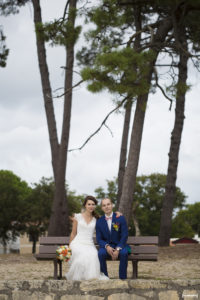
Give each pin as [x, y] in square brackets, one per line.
[75, 217]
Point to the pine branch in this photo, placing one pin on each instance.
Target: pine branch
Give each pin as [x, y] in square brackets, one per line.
[77, 84]
[102, 124]
[65, 68]
[146, 28]
[109, 129]
[65, 10]
[166, 65]
[162, 90]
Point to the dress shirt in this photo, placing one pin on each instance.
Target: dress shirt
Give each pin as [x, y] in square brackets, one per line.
[109, 222]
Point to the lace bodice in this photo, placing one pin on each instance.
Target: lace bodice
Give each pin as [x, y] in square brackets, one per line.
[85, 231]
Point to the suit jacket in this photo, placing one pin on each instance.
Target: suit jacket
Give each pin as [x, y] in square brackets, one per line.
[118, 235]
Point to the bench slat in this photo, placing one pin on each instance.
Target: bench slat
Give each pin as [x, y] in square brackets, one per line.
[60, 240]
[137, 240]
[44, 256]
[146, 257]
[48, 249]
[144, 249]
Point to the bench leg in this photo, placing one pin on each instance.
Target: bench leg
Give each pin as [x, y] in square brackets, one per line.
[135, 269]
[60, 269]
[55, 269]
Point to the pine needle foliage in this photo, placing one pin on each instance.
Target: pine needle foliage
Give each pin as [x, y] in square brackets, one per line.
[59, 32]
[120, 71]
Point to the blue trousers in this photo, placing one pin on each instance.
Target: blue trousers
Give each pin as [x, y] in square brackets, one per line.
[123, 258]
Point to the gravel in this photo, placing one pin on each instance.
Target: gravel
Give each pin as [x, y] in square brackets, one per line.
[176, 262]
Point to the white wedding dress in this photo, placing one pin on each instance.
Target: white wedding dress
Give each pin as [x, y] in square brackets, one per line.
[84, 263]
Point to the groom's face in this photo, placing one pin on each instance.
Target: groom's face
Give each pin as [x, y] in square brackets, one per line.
[107, 206]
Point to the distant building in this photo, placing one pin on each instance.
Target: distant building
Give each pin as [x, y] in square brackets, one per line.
[185, 240]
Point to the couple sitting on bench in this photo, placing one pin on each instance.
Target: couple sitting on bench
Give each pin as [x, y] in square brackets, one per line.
[111, 234]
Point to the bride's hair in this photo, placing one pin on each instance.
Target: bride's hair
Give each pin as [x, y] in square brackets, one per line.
[95, 201]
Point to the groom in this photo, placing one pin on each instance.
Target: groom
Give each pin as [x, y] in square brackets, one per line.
[112, 234]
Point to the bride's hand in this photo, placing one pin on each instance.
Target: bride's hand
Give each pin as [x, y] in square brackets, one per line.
[118, 214]
[72, 218]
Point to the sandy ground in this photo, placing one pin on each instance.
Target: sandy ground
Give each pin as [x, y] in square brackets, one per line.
[178, 262]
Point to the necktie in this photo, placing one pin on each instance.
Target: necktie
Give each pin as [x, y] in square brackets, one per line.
[108, 218]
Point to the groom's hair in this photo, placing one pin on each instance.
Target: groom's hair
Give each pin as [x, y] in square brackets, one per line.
[105, 199]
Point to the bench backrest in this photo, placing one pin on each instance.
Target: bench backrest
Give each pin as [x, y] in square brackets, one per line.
[144, 245]
[49, 244]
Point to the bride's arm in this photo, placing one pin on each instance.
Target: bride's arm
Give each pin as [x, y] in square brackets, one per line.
[74, 230]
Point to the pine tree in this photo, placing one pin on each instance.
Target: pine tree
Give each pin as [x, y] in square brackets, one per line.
[60, 32]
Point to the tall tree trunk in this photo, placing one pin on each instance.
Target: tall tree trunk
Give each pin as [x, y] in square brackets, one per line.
[123, 153]
[170, 189]
[127, 119]
[135, 220]
[59, 221]
[126, 200]
[46, 88]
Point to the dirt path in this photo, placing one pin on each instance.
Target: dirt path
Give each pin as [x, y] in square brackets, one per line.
[178, 262]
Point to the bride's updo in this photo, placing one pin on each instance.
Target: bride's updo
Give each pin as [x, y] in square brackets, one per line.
[95, 201]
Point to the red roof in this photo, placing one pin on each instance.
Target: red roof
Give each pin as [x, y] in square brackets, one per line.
[185, 240]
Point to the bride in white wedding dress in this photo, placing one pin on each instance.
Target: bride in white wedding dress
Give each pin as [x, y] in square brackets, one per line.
[84, 263]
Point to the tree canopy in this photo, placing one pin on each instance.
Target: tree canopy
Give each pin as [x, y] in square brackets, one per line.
[13, 195]
[186, 222]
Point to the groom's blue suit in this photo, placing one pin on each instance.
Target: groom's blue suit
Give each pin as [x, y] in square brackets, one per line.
[117, 237]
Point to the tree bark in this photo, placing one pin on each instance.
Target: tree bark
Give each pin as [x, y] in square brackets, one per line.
[46, 88]
[59, 221]
[135, 220]
[126, 200]
[170, 188]
[127, 119]
[123, 153]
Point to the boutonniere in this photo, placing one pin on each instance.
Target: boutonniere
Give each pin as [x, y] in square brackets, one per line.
[116, 226]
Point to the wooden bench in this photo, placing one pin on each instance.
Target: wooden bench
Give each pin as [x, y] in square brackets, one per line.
[143, 248]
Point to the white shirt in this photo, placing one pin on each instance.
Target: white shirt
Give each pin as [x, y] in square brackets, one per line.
[109, 222]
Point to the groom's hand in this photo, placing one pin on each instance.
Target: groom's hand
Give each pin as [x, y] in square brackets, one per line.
[115, 254]
[110, 250]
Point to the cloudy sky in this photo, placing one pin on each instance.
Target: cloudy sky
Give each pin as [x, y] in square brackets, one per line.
[24, 143]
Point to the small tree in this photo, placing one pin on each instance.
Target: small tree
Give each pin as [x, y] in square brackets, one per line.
[187, 219]
[149, 194]
[13, 195]
[38, 208]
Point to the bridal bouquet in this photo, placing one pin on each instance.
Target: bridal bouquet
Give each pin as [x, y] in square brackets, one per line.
[63, 253]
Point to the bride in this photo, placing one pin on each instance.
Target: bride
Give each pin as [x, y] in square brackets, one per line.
[84, 263]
